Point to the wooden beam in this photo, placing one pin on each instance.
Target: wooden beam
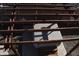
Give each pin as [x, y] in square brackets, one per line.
[41, 14]
[39, 21]
[39, 30]
[34, 8]
[40, 5]
[40, 42]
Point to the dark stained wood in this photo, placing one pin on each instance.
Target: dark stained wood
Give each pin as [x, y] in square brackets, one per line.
[26, 9]
[16, 10]
[40, 42]
[39, 5]
[41, 14]
[39, 21]
[39, 30]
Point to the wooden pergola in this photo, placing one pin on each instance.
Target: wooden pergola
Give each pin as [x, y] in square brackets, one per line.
[15, 14]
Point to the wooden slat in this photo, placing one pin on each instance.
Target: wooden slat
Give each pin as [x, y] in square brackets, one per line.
[41, 14]
[40, 5]
[40, 42]
[39, 21]
[24, 9]
[39, 30]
